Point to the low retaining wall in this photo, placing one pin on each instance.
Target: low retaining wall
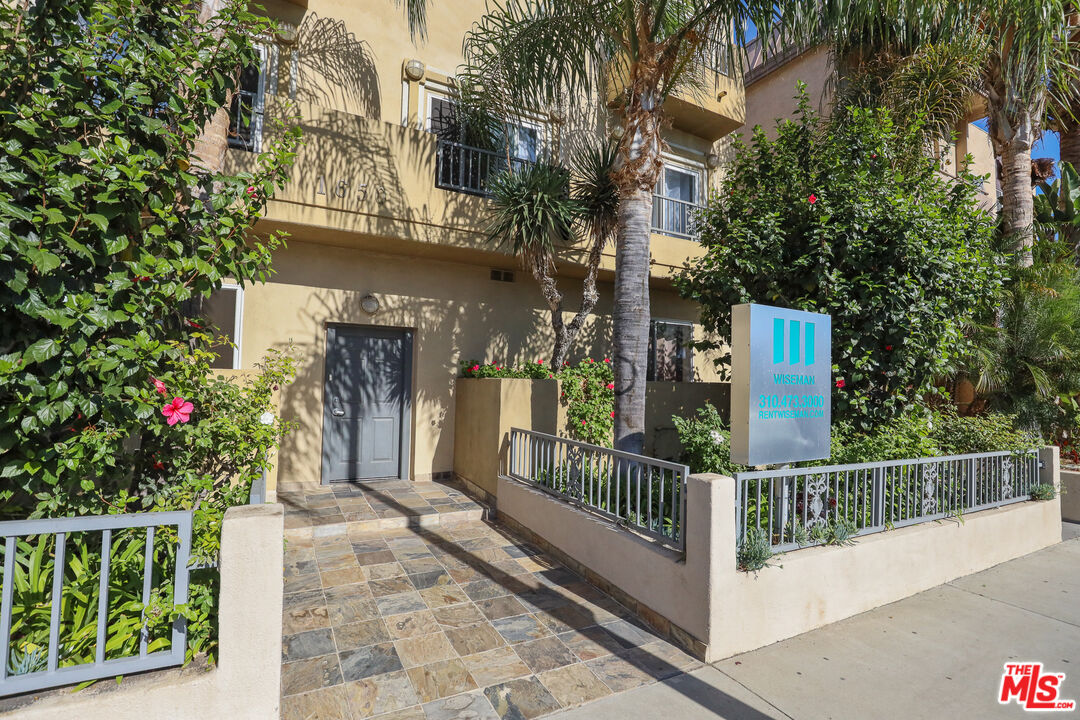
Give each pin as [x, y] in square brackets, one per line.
[486, 408]
[1070, 495]
[713, 610]
[245, 683]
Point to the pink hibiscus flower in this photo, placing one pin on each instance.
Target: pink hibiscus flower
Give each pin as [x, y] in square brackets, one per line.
[159, 386]
[178, 411]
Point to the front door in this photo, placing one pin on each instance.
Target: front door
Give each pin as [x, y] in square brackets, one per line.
[366, 402]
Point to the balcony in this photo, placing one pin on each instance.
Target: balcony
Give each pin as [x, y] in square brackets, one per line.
[467, 169]
[677, 218]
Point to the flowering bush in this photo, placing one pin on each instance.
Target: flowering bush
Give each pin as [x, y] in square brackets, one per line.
[587, 392]
[850, 217]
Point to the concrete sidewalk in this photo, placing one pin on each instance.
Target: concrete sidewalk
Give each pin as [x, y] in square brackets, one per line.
[938, 654]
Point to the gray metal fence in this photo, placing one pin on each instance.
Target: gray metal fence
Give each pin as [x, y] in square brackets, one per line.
[794, 506]
[53, 675]
[645, 494]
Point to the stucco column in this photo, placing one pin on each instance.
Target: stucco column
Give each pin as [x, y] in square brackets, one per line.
[249, 612]
[710, 547]
[1050, 466]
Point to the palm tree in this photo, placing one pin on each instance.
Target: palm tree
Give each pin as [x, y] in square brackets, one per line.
[1026, 53]
[536, 54]
[539, 208]
[1065, 103]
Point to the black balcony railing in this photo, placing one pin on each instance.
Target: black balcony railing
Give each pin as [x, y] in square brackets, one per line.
[674, 217]
[470, 169]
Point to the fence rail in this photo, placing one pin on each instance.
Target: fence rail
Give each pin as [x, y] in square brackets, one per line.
[675, 217]
[792, 506]
[61, 528]
[639, 492]
[470, 169]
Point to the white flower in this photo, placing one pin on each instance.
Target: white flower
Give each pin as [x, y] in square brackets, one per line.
[267, 418]
[716, 437]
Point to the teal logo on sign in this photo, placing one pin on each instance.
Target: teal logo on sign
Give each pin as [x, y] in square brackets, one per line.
[796, 351]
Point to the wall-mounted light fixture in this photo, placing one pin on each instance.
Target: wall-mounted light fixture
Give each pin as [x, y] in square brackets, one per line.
[721, 95]
[617, 131]
[369, 304]
[414, 69]
[712, 160]
[286, 33]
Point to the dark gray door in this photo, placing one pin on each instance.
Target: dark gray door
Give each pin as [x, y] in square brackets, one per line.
[365, 402]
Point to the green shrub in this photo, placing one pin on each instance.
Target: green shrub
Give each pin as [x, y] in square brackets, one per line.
[849, 217]
[706, 443]
[1043, 491]
[755, 551]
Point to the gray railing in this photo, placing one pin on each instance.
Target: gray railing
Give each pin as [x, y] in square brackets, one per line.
[675, 217]
[639, 492]
[794, 507]
[53, 675]
[467, 169]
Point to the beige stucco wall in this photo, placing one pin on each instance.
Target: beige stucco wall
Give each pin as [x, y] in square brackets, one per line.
[732, 611]
[1070, 495]
[246, 682]
[456, 313]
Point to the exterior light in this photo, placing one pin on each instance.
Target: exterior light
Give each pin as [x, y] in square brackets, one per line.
[721, 95]
[286, 33]
[369, 304]
[617, 132]
[712, 161]
[414, 69]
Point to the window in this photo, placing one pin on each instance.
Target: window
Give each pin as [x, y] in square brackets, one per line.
[248, 102]
[525, 140]
[440, 116]
[677, 194]
[670, 355]
[223, 314]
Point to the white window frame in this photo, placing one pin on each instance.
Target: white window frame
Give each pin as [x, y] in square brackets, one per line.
[689, 167]
[268, 54]
[238, 322]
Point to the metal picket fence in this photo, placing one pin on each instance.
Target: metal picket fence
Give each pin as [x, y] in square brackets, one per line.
[643, 493]
[789, 504]
[53, 675]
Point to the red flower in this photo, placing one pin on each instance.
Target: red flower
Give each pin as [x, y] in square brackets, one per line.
[540, 362]
[611, 386]
[888, 347]
[832, 502]
[607, 360]
[251, 190]
[812, 199]
[840, 383]
[591, 361]
[582, 422]
[873, 156]
[194, 324]
[158, 465]
[475, 368]
[159, 386]
[178, 411]
[612, 413]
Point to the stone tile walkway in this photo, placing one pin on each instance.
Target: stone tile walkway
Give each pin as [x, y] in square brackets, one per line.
[372, 505]
[454, 621]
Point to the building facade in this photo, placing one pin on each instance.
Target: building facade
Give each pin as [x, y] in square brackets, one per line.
[389, 282]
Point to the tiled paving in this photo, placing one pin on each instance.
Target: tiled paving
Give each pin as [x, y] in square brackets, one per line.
[372, 505]
[453, 621]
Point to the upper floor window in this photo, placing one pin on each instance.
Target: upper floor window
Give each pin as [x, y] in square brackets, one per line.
[249, 101]
[670, 354]
[676, 197]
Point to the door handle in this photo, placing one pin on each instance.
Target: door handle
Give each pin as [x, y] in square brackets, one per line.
[335, 409]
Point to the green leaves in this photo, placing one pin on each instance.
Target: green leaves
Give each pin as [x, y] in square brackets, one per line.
[902, 258]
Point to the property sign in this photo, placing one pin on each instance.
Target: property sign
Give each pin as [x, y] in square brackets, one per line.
[781, 383]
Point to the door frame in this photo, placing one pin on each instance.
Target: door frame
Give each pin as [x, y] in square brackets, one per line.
[405, 451]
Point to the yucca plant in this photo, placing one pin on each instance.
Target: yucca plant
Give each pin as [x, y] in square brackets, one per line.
[540, 209]
[1057, 210]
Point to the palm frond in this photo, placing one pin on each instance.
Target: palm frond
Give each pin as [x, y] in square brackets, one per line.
[594, 189]
[532, 213]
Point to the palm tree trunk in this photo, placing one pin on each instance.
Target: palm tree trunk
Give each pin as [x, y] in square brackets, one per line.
[210, 146]
[550, 290]
[1018, 203]
[1070, 145]
[631, 318]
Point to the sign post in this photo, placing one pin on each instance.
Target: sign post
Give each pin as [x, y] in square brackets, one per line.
[781, 385]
